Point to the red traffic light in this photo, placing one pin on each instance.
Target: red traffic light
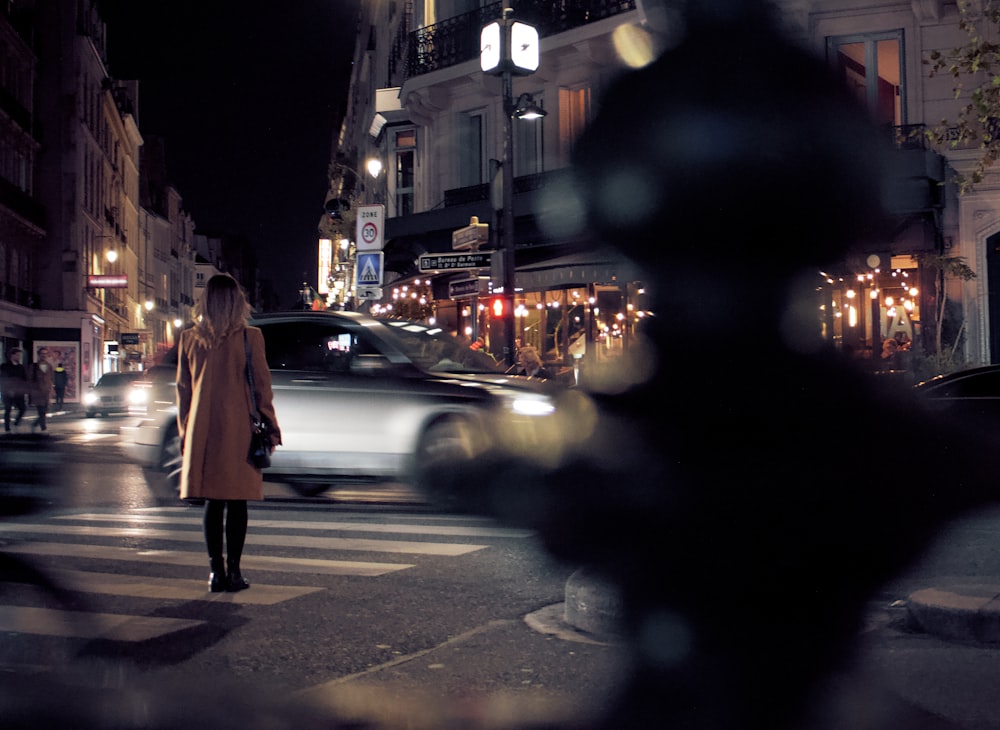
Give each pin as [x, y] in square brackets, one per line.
[498, 307]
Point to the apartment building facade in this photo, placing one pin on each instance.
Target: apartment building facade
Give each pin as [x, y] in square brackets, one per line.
[881, 51]
[421, 106]
[96, 258]
[22, 217]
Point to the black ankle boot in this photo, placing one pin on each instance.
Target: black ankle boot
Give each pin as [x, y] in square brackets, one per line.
[236, 580]
[217, 581]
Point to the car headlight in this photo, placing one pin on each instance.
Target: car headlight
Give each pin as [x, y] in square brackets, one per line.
[532, 405]
[90, 398]
[138, 397]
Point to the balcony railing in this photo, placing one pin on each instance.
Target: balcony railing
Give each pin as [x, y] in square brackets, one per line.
[456, 40]
[478, 193]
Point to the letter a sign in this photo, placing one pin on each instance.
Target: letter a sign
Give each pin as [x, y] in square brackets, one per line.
[370, 222]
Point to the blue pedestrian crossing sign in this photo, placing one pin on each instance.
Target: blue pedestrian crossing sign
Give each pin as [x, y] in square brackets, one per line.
[369, 268]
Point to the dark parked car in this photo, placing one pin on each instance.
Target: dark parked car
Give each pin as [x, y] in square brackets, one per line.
[971, 395]
[110, 395]
[363, 399]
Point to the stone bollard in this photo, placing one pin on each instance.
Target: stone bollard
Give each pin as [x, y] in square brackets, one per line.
[593, 605]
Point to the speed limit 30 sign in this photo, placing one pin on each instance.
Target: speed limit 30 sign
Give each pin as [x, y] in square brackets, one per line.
[370, 220]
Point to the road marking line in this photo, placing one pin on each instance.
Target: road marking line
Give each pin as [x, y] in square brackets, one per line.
[168, 557]
[259, 510]
[300, 541]
[83, 625]
[450, 530]
[319, 692]
[180, 589]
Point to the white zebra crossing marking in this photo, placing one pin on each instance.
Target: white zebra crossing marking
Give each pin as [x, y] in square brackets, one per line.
[303, 541]
[83, 625]
[171, 557]
[388, 528]
[177, 589]
[129, 628]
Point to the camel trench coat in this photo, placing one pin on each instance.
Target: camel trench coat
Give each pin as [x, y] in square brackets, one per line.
[213, 416]
[41, 384]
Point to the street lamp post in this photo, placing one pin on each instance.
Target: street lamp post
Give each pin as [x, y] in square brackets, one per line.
[507, 48]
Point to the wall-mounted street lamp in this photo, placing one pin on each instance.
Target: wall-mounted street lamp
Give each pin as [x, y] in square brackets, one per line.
[509, 47]
[526, 108]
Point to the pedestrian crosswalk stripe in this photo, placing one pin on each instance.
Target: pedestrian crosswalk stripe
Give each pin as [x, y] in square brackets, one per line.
[86, 438]
[389, 528]
[179, 589]
[171, 557]
[298, 541]
[84, 625]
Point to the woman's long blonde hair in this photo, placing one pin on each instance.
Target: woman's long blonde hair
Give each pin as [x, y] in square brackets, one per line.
[221, 310]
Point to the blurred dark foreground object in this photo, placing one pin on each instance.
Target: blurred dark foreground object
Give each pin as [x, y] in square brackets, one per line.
[734, 485]
[29, 468]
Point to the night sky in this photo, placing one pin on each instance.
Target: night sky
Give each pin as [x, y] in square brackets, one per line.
[248, 96]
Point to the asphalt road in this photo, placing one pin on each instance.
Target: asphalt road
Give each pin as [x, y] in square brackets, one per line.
[367, 604]
[364, 604]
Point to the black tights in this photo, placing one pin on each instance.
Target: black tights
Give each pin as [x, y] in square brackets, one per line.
[235, 529]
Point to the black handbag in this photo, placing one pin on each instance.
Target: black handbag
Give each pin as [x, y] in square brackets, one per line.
[259, 454]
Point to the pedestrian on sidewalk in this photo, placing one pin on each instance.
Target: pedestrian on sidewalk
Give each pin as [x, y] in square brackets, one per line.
[60, 381]
[14, 386]
[214, 421]
[41, 386]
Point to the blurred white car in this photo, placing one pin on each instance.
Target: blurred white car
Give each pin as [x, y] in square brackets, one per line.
[364, 399]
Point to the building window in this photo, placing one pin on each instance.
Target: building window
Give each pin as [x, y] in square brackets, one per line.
[574, 114]
[472, 148]
[404, 151]
[528, 143]
[872, 66]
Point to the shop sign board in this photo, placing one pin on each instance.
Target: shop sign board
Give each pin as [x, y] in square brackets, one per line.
[106, 281]
[455, 261]
[129, 338]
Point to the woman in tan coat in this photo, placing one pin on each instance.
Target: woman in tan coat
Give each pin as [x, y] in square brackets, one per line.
[214, 420]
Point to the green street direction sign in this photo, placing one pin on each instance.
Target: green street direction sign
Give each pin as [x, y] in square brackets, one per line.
[455, 261]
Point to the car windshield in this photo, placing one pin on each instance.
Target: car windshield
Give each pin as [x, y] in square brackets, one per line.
[433, 349]
[116, 380]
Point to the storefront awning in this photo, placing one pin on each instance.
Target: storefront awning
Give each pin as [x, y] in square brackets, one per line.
[596, 267]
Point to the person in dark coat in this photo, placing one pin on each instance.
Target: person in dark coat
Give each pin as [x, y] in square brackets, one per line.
[14, 385]
[41, 386]
[60, 381]
[213, 420]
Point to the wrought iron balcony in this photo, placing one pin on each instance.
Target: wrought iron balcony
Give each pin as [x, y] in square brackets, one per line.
[456, 40]
[477, 193]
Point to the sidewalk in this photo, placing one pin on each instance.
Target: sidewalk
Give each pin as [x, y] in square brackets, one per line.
[52, 417]
[965, 609]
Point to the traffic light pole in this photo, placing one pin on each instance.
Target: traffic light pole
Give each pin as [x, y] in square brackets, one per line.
[507, 220]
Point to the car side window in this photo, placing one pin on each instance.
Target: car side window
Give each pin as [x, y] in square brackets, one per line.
[312, 346]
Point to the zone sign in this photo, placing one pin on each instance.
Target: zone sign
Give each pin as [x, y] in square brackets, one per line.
[370, 228]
